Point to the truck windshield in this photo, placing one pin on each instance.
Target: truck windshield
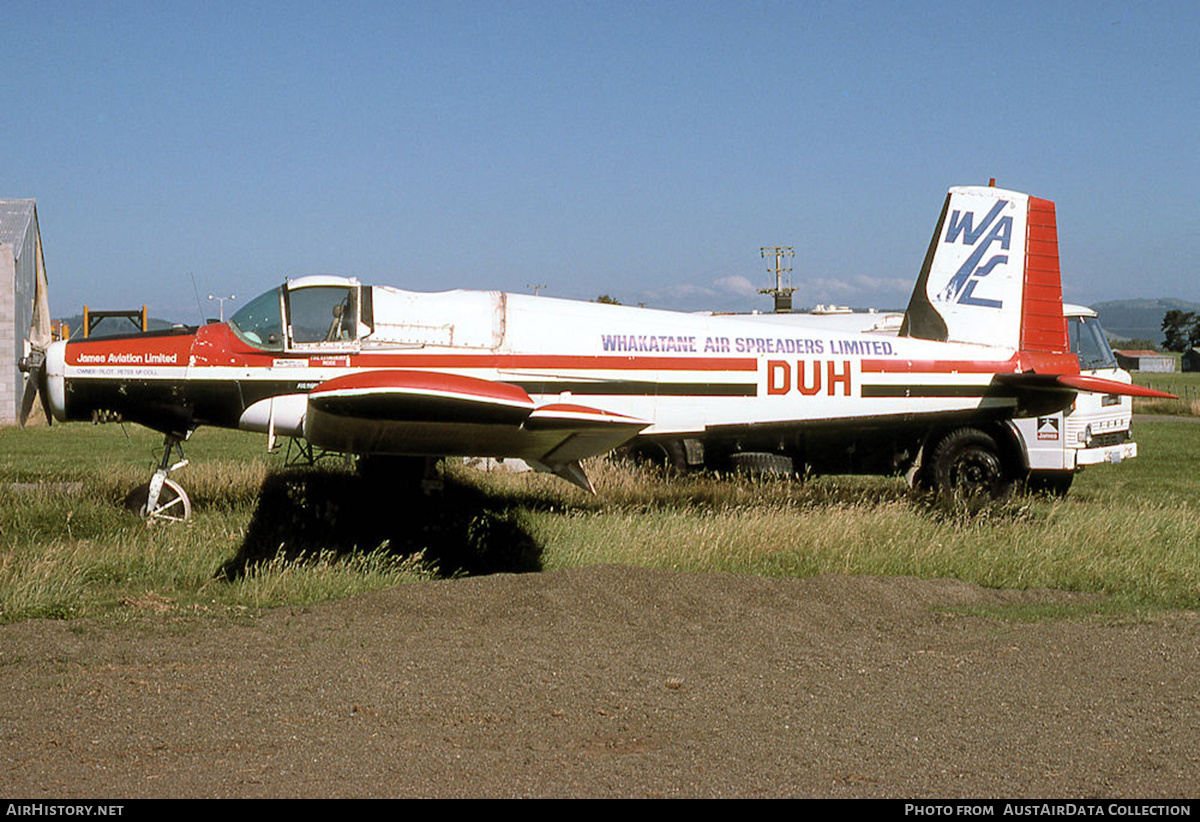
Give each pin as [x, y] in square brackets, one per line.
[260, 322]
[1089, 344]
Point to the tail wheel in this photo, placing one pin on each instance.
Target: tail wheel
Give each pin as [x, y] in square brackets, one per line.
[967, 462]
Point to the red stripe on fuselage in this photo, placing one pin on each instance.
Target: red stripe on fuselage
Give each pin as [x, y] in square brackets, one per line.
[938, 366]
[1020, 362]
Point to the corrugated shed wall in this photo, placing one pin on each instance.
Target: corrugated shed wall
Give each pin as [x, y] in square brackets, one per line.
[18, 269]
[10, 381]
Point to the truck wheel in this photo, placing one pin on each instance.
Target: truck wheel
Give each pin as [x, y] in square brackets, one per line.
[677, 456]
[668, 454]
[761, 464]
[967, 462]
[1053, 483]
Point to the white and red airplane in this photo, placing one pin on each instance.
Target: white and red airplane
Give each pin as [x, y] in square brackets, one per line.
[373, 370]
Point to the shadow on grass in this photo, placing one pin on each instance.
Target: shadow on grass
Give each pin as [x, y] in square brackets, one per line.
[302, 513]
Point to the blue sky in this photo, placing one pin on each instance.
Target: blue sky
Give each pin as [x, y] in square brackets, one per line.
[640, 149]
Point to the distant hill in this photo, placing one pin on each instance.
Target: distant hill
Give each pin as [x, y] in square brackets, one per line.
[1139, 319]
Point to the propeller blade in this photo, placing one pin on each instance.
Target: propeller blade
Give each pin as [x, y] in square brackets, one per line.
[36, 382]
[39, 327]
[43, 390]
[31, 387]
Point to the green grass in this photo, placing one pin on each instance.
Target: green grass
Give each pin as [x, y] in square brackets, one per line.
[263, 536]
[1126, 531]
[1184, 385]
[70, 548]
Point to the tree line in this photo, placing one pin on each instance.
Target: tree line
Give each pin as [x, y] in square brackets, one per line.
[1181, 330]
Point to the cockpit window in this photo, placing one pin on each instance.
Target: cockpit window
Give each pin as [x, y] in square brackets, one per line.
[260, 322]
[322, 314]
[1089, 344]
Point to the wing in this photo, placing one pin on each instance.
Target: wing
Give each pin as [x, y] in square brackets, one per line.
[1099, 385]
[1045, 393]
[438, 414]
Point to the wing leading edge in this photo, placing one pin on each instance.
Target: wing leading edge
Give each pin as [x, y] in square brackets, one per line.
[439, 414]
[1041, 393]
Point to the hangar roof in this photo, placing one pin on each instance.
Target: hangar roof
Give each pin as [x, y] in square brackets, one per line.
[15, 216]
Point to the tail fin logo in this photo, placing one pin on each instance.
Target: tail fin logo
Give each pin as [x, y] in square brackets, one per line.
[993, 229]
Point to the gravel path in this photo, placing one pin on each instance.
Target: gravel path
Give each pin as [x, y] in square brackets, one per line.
[612, 682]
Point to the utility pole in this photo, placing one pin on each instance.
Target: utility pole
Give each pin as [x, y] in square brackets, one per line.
[536, 287]
[781, 293]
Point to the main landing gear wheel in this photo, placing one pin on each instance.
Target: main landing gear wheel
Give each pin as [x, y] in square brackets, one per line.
[172, 504]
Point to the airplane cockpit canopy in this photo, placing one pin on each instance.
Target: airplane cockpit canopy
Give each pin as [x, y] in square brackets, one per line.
[322, 312]
[260, 321]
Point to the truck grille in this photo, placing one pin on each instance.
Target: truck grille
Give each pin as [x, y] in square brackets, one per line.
[1111, 438]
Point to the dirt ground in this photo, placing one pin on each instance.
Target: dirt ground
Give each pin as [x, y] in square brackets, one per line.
[608, 682]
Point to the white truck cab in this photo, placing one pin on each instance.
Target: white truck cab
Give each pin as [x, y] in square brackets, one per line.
[1095, 429]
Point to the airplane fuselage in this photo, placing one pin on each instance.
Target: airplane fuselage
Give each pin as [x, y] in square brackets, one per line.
[676, 373]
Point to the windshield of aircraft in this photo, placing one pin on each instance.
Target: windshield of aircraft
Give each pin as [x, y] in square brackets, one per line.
[260, 322]
[322, 314]
[1089, 344]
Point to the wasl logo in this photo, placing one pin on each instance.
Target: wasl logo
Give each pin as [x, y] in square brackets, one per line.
[961, 287]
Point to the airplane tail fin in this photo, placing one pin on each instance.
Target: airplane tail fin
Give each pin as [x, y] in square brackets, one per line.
[991, 274]
[991, 277]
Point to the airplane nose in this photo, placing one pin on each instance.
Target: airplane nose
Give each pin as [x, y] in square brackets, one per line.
[56, 367]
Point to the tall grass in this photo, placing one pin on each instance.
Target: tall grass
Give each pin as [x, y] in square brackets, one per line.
[1128, 531]
[68, 546]
[283, 580]
[1145, 554]
[263, 535]
[1184, 385]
